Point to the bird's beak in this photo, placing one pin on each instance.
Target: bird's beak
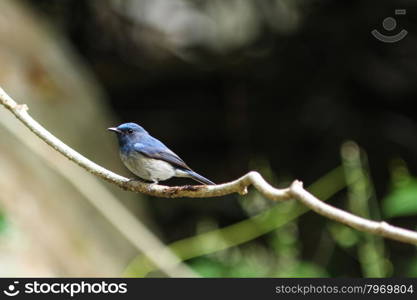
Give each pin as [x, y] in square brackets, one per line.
[114, 129]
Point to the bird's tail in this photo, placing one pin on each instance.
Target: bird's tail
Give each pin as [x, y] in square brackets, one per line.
[198, 177]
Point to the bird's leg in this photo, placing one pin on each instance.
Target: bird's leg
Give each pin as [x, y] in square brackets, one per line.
[150, 186]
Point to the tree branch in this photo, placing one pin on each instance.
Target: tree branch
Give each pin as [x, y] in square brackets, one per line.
[240, 185]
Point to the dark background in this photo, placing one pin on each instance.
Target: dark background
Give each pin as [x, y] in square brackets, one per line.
[289, 96]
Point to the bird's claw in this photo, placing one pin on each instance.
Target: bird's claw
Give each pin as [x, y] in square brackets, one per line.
[151, 186]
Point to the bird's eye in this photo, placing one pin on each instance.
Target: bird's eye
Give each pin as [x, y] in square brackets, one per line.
[129, 131]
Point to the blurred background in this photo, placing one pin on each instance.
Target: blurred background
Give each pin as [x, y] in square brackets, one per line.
[290, 88]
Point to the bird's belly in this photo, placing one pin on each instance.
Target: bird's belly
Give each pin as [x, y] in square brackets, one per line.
[148, 168]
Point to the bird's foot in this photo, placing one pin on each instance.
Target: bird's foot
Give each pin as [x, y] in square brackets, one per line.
[151, 185]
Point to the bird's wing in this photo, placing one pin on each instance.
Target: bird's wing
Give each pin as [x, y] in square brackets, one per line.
[158, 150]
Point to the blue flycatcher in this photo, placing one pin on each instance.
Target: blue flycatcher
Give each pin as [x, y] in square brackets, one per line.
[149, 158]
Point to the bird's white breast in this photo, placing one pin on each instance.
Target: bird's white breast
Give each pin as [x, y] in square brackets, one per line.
[147, 168]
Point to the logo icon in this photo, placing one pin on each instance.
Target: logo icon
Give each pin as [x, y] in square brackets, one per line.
[12, 291]
[390, 24]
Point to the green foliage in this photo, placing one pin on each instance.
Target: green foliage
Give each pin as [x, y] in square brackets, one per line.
[255, 261]
[411, 269]
[3, 223]
[307, 269]
[362, 201]
[207, 267]
[402, 200]
[212, 267]
[344, 236]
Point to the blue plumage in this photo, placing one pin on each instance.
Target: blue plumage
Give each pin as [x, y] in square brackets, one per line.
[149, 158]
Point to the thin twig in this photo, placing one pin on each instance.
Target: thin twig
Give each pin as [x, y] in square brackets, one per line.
[240, 185]
[379, 228]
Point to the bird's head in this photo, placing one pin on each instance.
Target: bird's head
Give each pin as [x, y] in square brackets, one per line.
[128, 131]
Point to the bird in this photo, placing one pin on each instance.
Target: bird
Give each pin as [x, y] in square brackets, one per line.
[148, 158]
